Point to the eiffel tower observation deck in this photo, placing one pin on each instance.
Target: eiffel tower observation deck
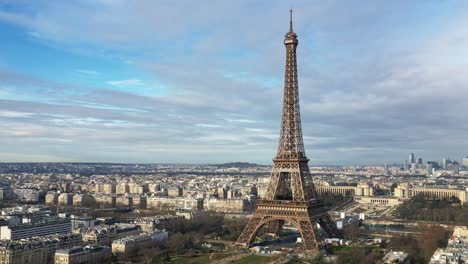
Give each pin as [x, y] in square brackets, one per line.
[290, 196]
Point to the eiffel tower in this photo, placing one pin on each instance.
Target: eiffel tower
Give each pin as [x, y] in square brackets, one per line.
[291, 195]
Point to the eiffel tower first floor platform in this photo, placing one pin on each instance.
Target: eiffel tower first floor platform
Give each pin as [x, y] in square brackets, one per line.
[303, 215]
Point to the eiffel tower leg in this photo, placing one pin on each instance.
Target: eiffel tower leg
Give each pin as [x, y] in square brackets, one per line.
[250, 230]
[308, 236]
[275, 227]
[327, 224]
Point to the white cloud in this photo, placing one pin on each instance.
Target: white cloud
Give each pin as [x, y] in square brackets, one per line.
[240, 120]
[14, 114]
[4, 92]
[207, 125]
[87, 72]
[127, 82]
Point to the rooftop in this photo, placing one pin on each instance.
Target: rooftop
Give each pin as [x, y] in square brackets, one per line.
[78, 249]
[395, 257]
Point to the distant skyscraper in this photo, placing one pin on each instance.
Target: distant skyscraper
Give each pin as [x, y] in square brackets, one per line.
[435, 165]
[465, 163]
[444, 163]
[429, 167]
[405, 165]
[454, 166]
[420, 164]
[411, 158]
[413, 168]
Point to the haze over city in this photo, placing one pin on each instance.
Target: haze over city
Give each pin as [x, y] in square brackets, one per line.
[201, 82]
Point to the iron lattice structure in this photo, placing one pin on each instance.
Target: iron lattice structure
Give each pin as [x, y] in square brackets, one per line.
[291, 194]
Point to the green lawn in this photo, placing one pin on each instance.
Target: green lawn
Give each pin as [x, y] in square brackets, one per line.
[295, 261]
[254, 259]
[218, 256]
[203, 258]
[218, 246]
[336, 249]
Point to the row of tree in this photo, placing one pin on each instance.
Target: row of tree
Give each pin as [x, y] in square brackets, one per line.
[446, 211]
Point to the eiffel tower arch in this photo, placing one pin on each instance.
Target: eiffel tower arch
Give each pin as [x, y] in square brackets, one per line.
[291, 195]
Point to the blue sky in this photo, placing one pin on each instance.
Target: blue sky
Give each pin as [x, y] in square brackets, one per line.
[201, 81]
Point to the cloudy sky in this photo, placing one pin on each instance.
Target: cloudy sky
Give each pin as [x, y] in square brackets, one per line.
[201, 81]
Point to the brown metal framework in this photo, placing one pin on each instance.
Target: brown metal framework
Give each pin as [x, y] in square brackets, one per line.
[291, 195]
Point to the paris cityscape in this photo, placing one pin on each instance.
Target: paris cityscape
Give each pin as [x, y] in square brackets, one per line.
[233, 132]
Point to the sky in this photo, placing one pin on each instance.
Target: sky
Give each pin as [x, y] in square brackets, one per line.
[201, 81]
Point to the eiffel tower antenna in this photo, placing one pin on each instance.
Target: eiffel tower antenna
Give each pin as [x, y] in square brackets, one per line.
[290, 21]
[291, 195]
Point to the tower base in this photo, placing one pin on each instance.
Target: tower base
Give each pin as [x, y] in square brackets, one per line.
[303, 215]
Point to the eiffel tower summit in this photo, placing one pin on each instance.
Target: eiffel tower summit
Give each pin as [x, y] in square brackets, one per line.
[291, 195]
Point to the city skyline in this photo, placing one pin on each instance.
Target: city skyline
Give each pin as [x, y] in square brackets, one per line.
[109, 81]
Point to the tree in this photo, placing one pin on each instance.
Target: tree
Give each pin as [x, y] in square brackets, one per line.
[351, 231]
[233, 228]
[421, 248]
[358, 256]
[147, 255]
